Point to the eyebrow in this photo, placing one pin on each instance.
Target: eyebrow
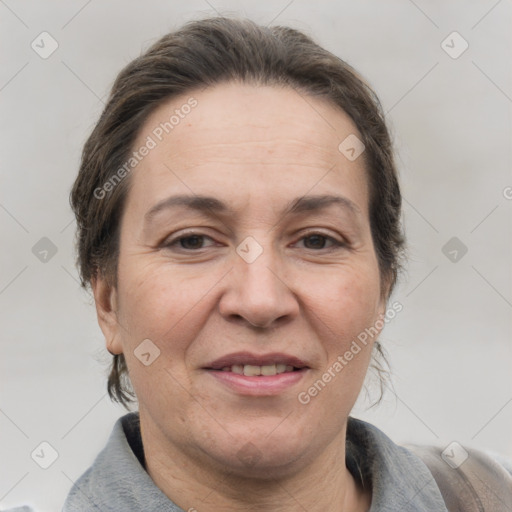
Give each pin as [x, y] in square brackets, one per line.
[199, 203]
[212, 205]
[321, 202]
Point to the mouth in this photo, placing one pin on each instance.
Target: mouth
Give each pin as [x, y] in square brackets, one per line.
[251, 370]
[250, 374]
[251, 365]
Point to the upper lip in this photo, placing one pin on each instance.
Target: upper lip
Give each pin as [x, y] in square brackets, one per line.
[243, 358]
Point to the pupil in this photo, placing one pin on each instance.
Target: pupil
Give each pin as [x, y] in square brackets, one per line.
[318, 241]
[191, 242]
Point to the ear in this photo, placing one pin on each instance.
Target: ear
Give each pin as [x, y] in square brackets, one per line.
[383, 304]
[105, 297]
[381, 314]
[384, 297]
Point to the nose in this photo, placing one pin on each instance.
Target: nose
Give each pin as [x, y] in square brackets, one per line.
[258, 293]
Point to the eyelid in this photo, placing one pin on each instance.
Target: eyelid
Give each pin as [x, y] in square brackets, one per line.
[339, 239]
[176, 237]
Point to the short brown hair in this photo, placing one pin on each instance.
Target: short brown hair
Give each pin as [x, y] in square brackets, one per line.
[201, 54]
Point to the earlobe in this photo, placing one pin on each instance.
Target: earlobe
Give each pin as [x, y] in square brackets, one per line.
[105, 298]
[381, 315]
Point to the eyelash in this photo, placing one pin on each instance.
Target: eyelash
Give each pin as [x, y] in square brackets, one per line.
[174, 243]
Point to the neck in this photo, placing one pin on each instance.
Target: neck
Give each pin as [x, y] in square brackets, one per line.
[200, 485]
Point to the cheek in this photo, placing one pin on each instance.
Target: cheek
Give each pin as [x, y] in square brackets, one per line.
[157, 301]
[346, 308]
[347, 302]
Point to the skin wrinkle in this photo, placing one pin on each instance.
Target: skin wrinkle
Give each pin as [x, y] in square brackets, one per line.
[224, 152]
[214, 206]
[159, 217]
[304, 302]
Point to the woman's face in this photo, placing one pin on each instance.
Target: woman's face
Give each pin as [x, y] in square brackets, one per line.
[245, 248]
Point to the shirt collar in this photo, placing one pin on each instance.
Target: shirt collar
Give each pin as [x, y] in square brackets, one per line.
[400, 481]
[118, 481]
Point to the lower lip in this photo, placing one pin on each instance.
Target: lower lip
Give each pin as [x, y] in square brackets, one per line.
[263, 385]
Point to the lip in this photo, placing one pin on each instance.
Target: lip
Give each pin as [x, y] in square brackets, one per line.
[263, 385]
[256, 360]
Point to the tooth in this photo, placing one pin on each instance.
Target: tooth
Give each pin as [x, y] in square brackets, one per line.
[269, 370]
[280, 368]
[226, 369]
[289, 368]
[238, 368]
[251, 371]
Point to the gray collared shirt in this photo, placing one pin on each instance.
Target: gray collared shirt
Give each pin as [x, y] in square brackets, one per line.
[117, 480]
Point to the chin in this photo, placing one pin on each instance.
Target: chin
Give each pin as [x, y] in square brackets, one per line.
[263, 458]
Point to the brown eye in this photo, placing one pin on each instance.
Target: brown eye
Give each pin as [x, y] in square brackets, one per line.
[192, 242]
[315, 241]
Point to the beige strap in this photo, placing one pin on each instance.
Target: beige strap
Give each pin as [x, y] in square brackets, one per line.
[478, 484]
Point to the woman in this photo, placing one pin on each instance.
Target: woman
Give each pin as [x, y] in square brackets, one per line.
[239, 224]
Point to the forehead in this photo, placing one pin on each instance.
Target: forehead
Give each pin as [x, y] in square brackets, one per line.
[247, 133]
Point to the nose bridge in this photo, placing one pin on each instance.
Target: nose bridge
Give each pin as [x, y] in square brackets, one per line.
[259, 264]
[257, 293]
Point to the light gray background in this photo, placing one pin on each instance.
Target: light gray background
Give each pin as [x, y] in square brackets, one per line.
[449, 348]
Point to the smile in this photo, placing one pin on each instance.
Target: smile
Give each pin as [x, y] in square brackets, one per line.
[257, 374]
[250, 370]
